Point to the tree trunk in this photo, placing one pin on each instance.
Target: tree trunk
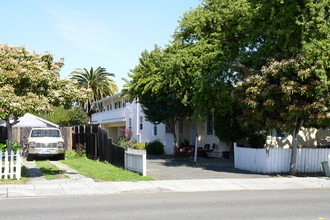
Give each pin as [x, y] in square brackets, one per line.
[295, 147]
[171, 125]
[9, 134]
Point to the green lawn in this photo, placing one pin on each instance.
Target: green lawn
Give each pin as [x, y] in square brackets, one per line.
[50, 171]
[23, 179]
[101, 171]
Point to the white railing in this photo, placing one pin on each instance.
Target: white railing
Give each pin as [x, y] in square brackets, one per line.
[10, 165]
[115, 115]
[277, 160]
[136, 160]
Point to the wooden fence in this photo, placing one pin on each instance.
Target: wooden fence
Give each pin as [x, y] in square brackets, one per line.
[10, 165]
[98, 144]
[278, 160]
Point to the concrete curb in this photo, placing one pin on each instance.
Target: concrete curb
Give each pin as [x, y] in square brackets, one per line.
[80, 188]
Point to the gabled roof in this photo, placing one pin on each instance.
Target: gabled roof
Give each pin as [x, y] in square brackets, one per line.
[109, 97]
[30, 120]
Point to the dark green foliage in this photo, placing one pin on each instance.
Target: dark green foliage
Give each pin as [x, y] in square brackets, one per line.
[80, 150]
[226, 123]
[155, 148]
[15, 146]
[257, 140]
[98, 81]
[68, 117]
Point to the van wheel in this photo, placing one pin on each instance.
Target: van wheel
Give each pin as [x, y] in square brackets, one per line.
[29, 157]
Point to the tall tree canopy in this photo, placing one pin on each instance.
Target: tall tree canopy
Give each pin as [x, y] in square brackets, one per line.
[154, 86]
[98, 81]
[257, 64]
[289, 62]
[67, 117]
[30, 82]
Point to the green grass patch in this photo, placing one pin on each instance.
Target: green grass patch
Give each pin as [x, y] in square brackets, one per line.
[23, 179]
[101, 171]
[50, 171]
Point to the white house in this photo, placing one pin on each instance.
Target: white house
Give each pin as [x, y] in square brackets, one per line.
[307, 137]
[117, 114]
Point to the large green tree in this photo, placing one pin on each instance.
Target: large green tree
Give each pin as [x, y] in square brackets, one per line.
[152, 84]
[278, 49]
[98, 81]
[288, 67]
[212, 36]
[68, 117]
[30, 82]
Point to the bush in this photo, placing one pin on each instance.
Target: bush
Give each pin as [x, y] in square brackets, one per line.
[80, 150]
[139, 146]
[15, 146]
[123, 142]
[257, 140]
[155, 148]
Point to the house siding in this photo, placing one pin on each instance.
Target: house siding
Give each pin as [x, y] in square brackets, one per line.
[307, 137]
[129, 117]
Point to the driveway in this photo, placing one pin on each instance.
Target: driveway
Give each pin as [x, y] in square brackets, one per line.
[170, 168]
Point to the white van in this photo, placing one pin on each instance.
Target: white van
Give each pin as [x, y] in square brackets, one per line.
[46, 142]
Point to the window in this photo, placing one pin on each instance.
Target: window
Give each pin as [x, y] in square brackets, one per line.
[280, 133]
[108, 107]
[209, 124]
[116, 105]
[141, 122]
[276, 133]
[129, 123]
[125, 103]
[155, 130]
[119, 104]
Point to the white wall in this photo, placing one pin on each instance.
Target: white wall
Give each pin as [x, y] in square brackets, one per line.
[146, 134]
[205, 138]
[307, 137]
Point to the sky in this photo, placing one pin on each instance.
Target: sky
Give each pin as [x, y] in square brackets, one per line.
[107, 33]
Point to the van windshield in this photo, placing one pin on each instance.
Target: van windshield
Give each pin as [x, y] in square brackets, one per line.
[45, 133]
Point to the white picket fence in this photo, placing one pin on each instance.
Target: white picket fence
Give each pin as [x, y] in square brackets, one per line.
[278, 160]
[136, 160]
[10, 165]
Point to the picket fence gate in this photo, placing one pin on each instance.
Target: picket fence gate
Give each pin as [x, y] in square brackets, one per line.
[10, 166]
[278, 160]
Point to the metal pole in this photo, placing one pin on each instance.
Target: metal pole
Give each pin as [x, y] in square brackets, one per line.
[196, 148]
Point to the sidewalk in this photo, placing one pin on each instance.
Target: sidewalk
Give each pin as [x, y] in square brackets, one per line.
[89, 187]
[79, 185]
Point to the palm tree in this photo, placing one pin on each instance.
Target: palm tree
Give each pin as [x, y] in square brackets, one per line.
[98, 81]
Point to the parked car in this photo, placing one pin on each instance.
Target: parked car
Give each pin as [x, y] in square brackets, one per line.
[45, 142]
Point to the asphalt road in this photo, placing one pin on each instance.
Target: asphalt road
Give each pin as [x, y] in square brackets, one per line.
[276, 204]
[168, 168]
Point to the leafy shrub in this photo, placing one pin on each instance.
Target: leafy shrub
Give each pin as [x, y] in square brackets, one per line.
[126, 143]
[257, 140]
[80, 150]
[139, 146]
[155, 148]
[15, 146]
